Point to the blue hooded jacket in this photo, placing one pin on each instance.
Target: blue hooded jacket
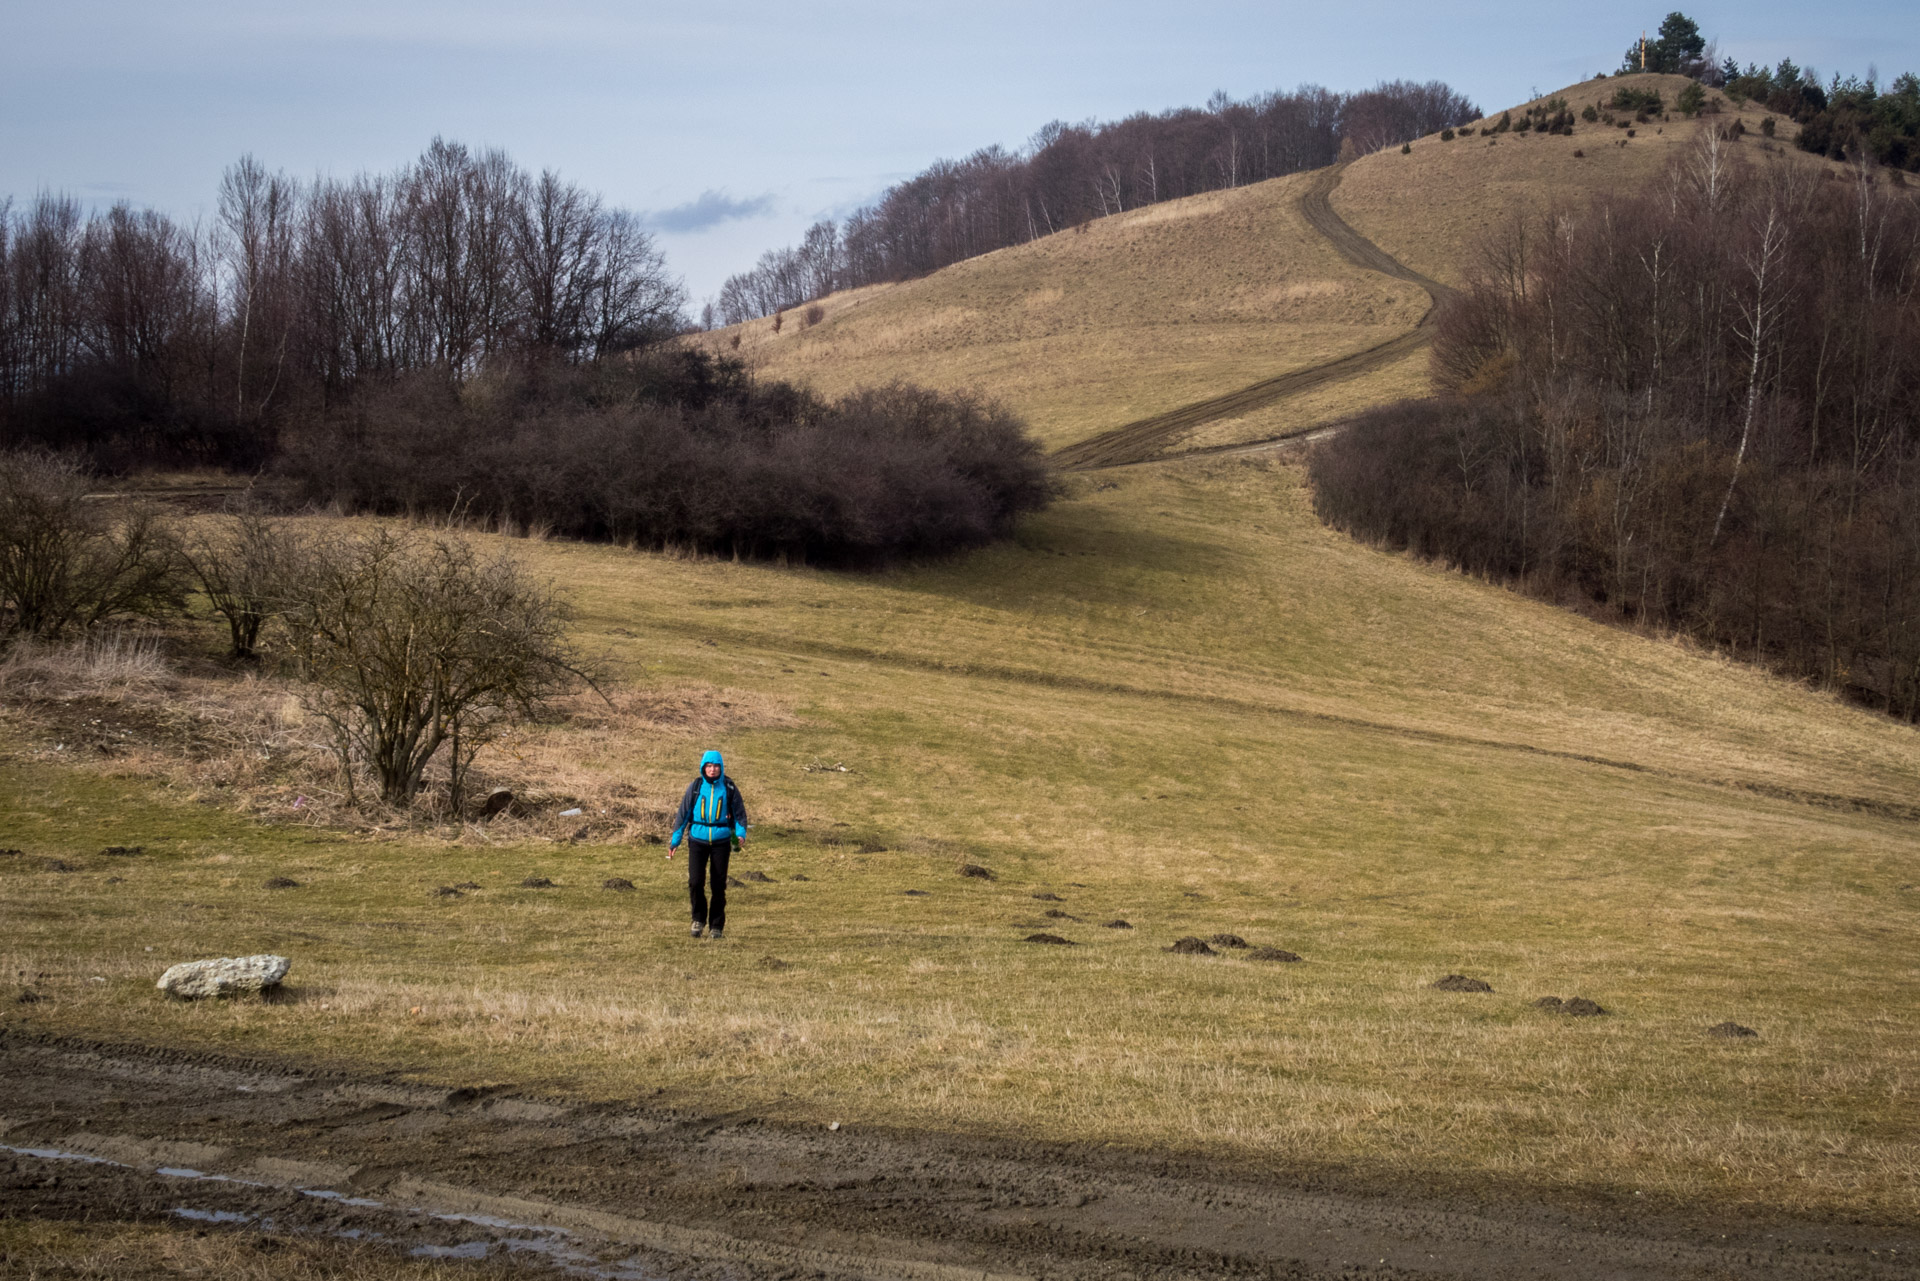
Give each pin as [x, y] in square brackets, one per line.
[710, 811]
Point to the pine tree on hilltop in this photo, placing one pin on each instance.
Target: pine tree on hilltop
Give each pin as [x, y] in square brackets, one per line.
[1677, 49]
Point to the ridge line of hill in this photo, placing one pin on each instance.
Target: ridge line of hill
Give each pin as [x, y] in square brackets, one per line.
[1142, 440]
[1879, 808]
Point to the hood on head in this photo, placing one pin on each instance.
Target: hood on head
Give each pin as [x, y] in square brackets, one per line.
[712, 758]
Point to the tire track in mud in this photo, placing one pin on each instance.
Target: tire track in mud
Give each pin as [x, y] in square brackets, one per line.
[1146, 439]
[621, 1190]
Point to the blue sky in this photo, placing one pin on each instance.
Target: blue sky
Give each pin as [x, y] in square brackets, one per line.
[736, 125]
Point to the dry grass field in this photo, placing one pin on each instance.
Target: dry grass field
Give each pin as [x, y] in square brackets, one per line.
[1142, 312]
[1125, 317]
[1465, 188]
[1176, 700]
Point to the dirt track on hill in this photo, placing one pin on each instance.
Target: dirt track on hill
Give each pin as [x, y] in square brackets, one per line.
[1146, 439]
[627, 1190]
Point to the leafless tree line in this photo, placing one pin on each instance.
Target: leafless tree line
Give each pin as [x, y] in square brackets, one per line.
[192, 341]
[1698, 407]
[1068, 174]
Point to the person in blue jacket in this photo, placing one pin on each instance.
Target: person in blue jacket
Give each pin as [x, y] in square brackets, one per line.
[713, 818]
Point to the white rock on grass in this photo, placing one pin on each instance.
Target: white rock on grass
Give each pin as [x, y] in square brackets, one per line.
[191, 979]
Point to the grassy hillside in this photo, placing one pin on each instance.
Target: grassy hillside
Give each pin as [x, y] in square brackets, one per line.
[1145, 311]
[1431, 207]
[1125, 317]
[1176, 700]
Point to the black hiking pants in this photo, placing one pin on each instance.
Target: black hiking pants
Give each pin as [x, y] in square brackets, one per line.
[702, 856]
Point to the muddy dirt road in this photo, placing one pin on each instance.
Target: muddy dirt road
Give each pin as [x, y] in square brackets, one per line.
[1147, 439]
[624, 1190]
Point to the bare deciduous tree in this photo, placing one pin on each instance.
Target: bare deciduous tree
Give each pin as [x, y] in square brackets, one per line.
[68, 563]
[411, 643]
[245, 564]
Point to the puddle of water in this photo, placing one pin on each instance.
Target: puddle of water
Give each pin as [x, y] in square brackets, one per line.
[55, 1154]
[182, 1172]
[328, 1194]
[552, 1244]
[211, 1216]
[489, 1221]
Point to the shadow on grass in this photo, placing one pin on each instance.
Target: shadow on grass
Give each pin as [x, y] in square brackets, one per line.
[1076, 550]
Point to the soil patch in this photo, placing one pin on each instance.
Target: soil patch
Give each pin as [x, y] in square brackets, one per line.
[1228, 940]
[280, 883]
[1050, 898]
[1272, 954]
[1047, 938]
[773, 963]
[1581, 1008]
[759, 877]
[1460, 983]
[1056, 914]
[625, 1189]
[57, 865]
[1552, 1004]
[976, 871]
[536, 883]
[735, 882]
[799, 877]
[1731, 1030]
[124, 851]
[1191, 946]
[466, 885]
[872, 847]
[1119, 925]
[620, 883]
[11, 853]
[447, 891]
[914, 893]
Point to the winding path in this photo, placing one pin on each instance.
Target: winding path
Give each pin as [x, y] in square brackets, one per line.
[1146, 439]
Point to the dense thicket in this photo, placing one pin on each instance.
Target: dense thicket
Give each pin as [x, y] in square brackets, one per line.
[677, 449]
[133, 339]
[1845, 118]
[1068, 174]
[1698, 407]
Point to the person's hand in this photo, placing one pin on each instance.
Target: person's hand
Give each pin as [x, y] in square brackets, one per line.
[671, 849]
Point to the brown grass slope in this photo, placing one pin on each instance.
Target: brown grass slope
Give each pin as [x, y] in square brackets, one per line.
[1232, 316]
[1132, 315]
[1431, 208]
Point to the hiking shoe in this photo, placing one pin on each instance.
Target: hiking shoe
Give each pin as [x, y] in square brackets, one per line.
[715, 935]
[697, 927]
